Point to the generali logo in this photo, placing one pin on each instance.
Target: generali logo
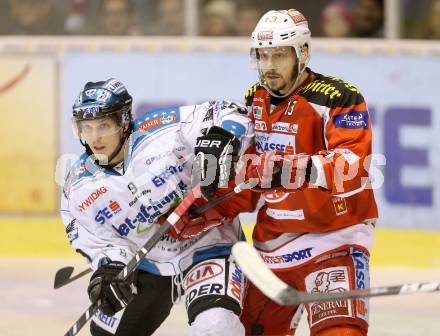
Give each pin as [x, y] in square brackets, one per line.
[92, 198]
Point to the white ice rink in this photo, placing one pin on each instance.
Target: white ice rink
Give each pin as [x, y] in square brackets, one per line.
[30, 306]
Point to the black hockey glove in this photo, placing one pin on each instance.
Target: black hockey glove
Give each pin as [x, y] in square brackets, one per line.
[114, 294]
[215, 153]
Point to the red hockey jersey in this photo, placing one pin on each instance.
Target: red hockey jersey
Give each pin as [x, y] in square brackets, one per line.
[328, 119]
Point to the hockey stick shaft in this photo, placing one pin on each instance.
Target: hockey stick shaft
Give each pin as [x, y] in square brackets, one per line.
[293, 297]
[239, 188]
[140, 254]
[267, 282]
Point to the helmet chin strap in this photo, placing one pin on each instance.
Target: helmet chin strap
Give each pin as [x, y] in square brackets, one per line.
[292, 88]
[116, 151]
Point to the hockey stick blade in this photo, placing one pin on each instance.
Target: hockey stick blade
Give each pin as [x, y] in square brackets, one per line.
[267, 282]
[62, 276]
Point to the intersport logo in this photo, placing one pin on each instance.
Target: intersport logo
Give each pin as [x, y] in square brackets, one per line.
[92, 198]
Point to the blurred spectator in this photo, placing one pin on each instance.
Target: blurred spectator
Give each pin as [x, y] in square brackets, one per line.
[170, 17]
[32, 17]
[369, 18]
[433, 30]
[336, 20]
[247, 18]
[76, 18]
[115, 17]
[218, 18]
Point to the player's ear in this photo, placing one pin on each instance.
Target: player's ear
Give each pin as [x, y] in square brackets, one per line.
[304, 56]
[305, 50]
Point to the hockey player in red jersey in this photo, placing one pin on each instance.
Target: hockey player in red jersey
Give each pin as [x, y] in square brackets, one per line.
[316, 233]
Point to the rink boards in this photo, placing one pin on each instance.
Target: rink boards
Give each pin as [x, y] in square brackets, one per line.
[41, 78]
[45, 237]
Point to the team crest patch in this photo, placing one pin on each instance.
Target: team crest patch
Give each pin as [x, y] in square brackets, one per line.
[258, 112]
[340, 206]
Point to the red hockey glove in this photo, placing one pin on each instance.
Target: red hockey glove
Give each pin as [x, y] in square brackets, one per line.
[190, 226]
[276, 170]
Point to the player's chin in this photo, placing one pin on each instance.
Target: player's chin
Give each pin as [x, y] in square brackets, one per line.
[275, 86]
[102, 156]
[98, 152]
[274, 83]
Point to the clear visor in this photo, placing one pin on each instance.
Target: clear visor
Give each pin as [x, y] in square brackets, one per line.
[88, 130]
[273, 59]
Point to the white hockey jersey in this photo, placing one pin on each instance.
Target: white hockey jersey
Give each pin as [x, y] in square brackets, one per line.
[108, 214]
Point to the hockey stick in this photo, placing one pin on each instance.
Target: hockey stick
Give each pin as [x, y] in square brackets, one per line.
[172, 219]
[239, 188]
[62, 276]
[140, 254]
[267, 282]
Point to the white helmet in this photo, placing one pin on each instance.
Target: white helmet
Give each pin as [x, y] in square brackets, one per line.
[282, 28]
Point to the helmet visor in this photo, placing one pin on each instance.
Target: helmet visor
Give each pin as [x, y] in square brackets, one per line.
[90, 130]
[277, 68]
[275, 58]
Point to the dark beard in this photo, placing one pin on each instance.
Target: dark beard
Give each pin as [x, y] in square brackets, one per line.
[293, 79]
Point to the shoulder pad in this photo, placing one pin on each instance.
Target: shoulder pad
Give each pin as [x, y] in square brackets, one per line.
[249, 96]
[331, 92]
[76, 172]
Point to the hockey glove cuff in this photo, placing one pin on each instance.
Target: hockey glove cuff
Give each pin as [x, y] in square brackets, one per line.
[114, 294]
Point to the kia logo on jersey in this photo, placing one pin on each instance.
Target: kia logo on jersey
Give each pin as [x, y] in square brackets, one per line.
[201, 273]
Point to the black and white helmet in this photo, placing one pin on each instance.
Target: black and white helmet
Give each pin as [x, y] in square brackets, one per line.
[102, 99]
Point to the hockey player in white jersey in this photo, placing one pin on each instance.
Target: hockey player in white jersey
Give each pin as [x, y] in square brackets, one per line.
[132, 174]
